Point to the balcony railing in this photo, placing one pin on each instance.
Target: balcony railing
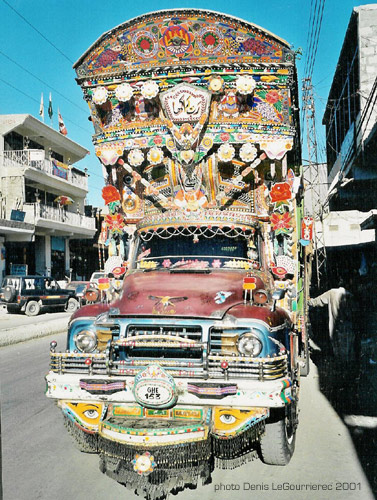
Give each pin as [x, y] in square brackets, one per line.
[34, 158]
[37, 211]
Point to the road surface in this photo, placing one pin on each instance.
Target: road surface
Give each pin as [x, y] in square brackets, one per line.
[40, 461]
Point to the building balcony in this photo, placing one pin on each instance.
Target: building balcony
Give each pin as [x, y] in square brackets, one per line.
[59, 221]
[46, 172]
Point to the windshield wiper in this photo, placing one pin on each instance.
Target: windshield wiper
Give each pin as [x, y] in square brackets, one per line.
[191, 270]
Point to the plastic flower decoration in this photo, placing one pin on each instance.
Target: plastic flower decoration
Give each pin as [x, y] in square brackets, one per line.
[110, 194]
[280, 222]
[115, 222]
[149, 89]
[281, 191]
[143, 464]
[215, 83]
[166, 263]
[135, 157]
[245, 84]
[155, 156]
[248, 152]
[124, 92]
[99, 95]
[226, 152]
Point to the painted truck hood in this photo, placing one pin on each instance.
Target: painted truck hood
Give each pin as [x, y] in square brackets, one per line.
[161, 293]
[193, 294]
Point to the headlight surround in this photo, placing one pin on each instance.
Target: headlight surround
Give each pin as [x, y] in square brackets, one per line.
[85, 340]
[248, 344]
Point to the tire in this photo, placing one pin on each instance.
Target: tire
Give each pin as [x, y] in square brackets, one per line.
[72, 305]
[33, 308]
[9, 293]
[278, 443]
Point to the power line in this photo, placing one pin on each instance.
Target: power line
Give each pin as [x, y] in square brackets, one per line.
[39, 33]
[44, 83]
[35, 100]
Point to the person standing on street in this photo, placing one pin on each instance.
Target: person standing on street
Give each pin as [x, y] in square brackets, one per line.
[341, 331]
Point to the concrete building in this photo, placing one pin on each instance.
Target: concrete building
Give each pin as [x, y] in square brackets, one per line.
[37, 166]
[351, 140]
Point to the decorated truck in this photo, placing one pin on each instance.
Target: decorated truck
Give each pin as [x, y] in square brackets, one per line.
[197, 362]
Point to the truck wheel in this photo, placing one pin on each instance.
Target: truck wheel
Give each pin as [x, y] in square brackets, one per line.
[278, 443]
[72, 305]
[32, 308]
[9, 293]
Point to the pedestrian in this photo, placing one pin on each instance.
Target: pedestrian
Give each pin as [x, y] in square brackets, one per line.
[340, 327]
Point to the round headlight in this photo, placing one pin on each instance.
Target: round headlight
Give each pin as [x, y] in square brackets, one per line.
[260, 296]
[249, 345]
[86, 341]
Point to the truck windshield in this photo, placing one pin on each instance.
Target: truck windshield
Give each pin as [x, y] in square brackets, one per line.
[191, 250]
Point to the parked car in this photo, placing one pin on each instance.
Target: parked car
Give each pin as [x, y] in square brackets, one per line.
[79, 288]
[32, 294]
[96, 276]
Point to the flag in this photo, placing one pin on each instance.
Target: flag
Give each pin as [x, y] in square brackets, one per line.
[42, 109]
[62, 128]
[50, 112]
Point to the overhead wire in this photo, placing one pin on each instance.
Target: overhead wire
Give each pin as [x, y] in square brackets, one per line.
[42, 81]
[37, 30]
[35, 100]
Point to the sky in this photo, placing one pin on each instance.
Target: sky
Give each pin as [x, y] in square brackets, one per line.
[41, 39]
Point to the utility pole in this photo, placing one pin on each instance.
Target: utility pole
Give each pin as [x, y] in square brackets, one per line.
[312, 180]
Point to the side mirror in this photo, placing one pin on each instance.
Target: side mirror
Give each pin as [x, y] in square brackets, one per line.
[278, 294]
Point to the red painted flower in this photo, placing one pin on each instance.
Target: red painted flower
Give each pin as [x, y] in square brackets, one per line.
[209, 39]
[224, 136]
[157, 140]
[280, 222]
[145, 44]
[110, 194]
[281, 191]
[272, 96]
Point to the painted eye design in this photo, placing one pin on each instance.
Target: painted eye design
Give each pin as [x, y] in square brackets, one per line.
[92, 414]
[227, 418]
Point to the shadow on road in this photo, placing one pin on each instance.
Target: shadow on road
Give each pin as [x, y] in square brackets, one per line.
[351, 388]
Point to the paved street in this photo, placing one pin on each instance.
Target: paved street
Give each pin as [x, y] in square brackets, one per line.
[16, 328]
[40, 461]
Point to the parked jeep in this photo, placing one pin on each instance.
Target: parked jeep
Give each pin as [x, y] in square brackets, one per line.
[31, 294]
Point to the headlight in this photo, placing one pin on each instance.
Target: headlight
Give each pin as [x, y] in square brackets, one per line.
[249, 345]
[260, 297]
[86, 341]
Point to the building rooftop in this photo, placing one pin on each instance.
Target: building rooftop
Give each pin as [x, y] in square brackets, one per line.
[30, 126]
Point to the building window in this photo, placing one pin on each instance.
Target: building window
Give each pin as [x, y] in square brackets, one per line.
[13, 142]
[57, 156]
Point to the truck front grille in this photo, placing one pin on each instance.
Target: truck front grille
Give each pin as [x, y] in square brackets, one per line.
[247, 367]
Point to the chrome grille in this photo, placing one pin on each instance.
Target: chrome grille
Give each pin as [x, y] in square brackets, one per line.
[76, 363]
[247, 367]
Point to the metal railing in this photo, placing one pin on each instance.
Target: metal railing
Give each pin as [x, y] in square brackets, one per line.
[34, 158]
[36, 211]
